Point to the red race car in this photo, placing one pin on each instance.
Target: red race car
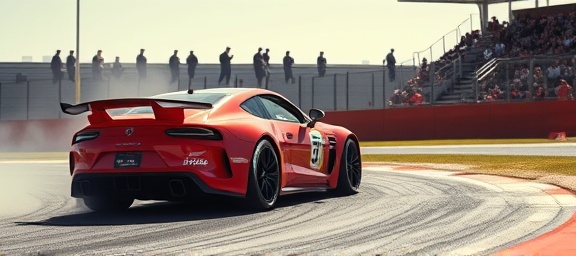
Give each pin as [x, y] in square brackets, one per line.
[242, 142]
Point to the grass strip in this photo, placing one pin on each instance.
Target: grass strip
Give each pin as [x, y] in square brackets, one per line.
[458, 142]
[502, 165]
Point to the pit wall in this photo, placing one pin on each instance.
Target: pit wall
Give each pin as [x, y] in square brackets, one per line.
[493, 120]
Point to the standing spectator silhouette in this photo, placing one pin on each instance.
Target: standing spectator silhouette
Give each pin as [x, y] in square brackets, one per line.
[97, 66]
[174, 64]
[117, 68]
[321, 63]
[141, 64]
[56, 66]
[390, 62]
[266, 57]
[288, 62]
[71, 66]
[192, 62]
[259, 64]
[225, 66]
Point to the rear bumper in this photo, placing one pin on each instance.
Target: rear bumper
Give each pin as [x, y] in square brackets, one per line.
[143, 186]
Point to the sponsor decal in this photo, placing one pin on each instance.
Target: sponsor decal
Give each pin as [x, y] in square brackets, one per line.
[316, 150]
[192, 154]
[238, 160]
[195, 161]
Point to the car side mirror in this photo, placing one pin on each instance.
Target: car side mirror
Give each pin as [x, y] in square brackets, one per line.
[315, 114]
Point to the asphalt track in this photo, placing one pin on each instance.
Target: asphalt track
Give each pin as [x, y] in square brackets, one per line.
[399, 210]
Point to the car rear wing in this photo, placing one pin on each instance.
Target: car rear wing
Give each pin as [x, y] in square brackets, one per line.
[166, 110]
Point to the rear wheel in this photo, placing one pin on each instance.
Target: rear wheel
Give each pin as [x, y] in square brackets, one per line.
[264, 178]
[105, 204]
[350, 173]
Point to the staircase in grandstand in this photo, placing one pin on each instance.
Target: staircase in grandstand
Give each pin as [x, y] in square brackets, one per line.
[473, 63]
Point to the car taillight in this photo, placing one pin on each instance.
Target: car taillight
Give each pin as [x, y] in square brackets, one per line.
[195, 133]
[83, 136]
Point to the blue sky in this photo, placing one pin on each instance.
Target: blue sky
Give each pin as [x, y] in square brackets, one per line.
[347, 31]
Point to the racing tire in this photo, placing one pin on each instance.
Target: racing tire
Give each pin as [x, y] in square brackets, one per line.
[264, 177]
[105, 204]
[350, 173]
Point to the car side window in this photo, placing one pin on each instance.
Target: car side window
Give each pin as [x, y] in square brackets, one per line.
[279, 109]
[254, 107]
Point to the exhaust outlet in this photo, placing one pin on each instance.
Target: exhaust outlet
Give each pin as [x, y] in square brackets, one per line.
[177, 188]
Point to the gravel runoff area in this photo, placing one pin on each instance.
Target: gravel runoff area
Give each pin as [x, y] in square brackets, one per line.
[564, 181]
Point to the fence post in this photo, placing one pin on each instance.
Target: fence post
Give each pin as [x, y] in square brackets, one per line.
[312, 92]
[300, 91]
[235, 81]
[384, 88]
[59, 98]
[27, 100]
[335, 104]
[373, 92]
[531, 79]
[267, 80]
[432, 83]
[508, 82]
[347, 92]
[205, 82]
[0, 101]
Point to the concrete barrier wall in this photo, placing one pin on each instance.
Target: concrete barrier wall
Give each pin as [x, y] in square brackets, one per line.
[495, 120]
[492, 120]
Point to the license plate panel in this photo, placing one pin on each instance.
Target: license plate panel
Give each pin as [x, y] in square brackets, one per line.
[128, 160]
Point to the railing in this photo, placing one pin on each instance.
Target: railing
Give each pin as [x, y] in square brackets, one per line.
[39, 99]
[440, 44]
[524, 79]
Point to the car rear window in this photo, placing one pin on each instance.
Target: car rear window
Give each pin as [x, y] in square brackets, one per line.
[211, 98]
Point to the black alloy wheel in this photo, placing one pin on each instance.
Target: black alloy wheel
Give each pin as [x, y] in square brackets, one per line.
[350, 169]
[264, 180]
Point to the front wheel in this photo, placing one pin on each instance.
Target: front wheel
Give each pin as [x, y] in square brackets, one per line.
[105, 204]
[264, 178]
[350, 173]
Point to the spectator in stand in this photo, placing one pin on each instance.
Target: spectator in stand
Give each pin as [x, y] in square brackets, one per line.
[141, 64]
[396, 99]
[564, 90]
[540, 93]
[487, 54]
[493, 25]
[499, 49]
[56, 66]
[553, 73]
[71, 66]
[538, 77]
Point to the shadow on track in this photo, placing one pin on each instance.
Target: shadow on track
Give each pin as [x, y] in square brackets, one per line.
[170, 212]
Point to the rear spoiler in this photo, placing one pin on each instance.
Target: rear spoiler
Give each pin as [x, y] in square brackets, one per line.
[167, 110]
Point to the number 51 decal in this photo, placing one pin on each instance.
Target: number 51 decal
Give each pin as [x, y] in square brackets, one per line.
[316, 154]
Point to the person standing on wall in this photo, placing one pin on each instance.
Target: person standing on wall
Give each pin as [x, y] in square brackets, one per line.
[174, 63]
[390, 62]
[192, 62]
[71, 65]
[321, 63]
[288, 62]
[141, 64]
[225, 66]
[259, 65]
[56, 66]
[97, 66]
[117, 69]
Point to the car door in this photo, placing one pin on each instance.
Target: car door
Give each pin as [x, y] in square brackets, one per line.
[306, 146]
